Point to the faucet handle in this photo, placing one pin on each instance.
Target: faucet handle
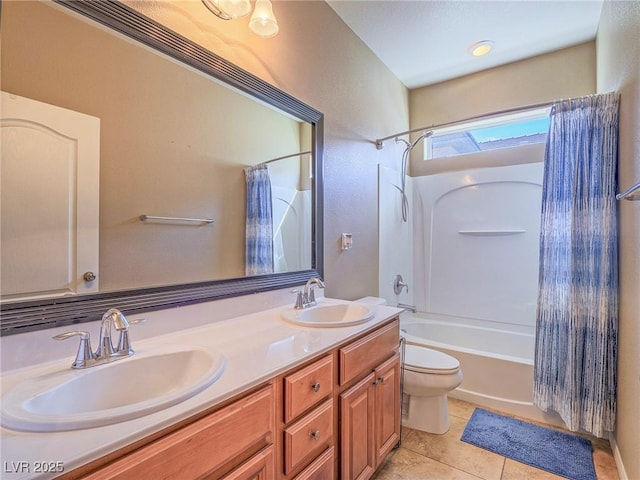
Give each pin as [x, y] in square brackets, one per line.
[299, 299]
[124, 343]
[85, 354]
[399, 284]
[311, 298]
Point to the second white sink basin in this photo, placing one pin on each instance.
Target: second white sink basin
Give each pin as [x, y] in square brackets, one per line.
[144, 383]
[330, 315]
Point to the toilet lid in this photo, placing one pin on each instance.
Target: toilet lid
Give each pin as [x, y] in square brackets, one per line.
[426, 360]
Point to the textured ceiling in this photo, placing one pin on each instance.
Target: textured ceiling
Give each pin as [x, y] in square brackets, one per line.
[424, 42]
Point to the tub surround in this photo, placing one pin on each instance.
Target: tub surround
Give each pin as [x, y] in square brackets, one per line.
[258, 346]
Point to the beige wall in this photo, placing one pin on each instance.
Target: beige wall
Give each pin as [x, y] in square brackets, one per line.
[319, 60]
[173, 143]
[570, 72]
[618, 46]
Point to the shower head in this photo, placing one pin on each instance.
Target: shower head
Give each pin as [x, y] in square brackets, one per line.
[379, 143]
[411, 146]
[424, 135]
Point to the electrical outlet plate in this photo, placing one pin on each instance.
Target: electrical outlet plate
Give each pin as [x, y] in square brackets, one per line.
[347, 241]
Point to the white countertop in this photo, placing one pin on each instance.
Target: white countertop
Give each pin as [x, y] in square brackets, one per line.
[257, 347]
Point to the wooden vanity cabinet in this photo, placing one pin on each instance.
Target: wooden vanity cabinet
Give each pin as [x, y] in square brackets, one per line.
[235, 440]
[337, 416]
[370, 409]
[365, 398]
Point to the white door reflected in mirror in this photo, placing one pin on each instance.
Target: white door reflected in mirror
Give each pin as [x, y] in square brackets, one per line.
[50, 181]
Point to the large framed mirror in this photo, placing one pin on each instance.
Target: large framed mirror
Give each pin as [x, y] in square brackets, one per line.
[147, 207]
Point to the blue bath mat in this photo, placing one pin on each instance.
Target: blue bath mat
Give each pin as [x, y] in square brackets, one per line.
[556, 452]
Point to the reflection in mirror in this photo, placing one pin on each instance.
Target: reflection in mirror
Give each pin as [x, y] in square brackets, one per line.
[173, 142]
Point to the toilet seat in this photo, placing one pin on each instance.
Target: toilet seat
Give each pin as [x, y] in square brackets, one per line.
[425, 360]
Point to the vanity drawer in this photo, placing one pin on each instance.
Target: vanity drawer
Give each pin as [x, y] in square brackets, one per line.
[363, 355]
[227, 436]
[322, 468]
[260, 467]
[308, 436]
[307, 387]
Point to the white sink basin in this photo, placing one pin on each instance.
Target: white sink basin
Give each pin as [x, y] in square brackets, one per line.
[144, 383]
[330, 315]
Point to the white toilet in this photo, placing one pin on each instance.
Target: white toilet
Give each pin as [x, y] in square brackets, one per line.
[429, 375]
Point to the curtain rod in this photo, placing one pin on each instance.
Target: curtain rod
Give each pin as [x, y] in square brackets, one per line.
[380, 141]
[630, 193]
[286, 156]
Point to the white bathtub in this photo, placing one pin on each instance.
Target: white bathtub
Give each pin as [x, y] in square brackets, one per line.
[497, 362]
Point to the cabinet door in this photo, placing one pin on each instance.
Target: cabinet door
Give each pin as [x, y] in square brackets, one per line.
[387, 416]
[260, 467]
[357, 441]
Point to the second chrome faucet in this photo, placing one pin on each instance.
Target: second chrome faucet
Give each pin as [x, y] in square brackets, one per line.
[106, 352]
[306, 297]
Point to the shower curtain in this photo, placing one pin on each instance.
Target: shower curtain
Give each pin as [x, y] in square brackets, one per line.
[577, 314]
[259, 222]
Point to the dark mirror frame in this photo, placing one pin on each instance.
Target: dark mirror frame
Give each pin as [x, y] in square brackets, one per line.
[19, 317]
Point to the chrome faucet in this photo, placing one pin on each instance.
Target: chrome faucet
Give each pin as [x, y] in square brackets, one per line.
[105, 352]
[105, 348]
[306, 297]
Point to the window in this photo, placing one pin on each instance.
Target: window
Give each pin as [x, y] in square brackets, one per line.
[523, 128]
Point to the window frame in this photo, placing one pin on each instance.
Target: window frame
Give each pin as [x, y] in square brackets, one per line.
[477, 124]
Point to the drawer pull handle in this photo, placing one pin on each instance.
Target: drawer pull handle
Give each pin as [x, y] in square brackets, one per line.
[315, 387]
[315, 435]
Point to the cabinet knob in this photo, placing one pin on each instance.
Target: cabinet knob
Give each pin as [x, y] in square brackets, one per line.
[315, 387]
[89, 276]
[315, 435]
[381, 379]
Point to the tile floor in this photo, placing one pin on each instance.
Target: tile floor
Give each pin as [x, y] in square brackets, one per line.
[445, 457]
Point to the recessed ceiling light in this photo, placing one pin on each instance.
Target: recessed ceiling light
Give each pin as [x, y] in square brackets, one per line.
[478, 49]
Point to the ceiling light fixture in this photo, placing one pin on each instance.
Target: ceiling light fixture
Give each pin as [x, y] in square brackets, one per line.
[263, 22]
[478, 49]
[235, 8]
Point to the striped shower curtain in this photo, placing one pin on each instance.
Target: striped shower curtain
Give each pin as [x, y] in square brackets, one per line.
[577, 315]
[259, 222]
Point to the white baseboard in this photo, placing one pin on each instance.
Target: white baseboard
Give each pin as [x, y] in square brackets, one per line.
[622, 473]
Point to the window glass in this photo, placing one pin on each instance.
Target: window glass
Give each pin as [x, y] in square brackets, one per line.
[498, 132]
